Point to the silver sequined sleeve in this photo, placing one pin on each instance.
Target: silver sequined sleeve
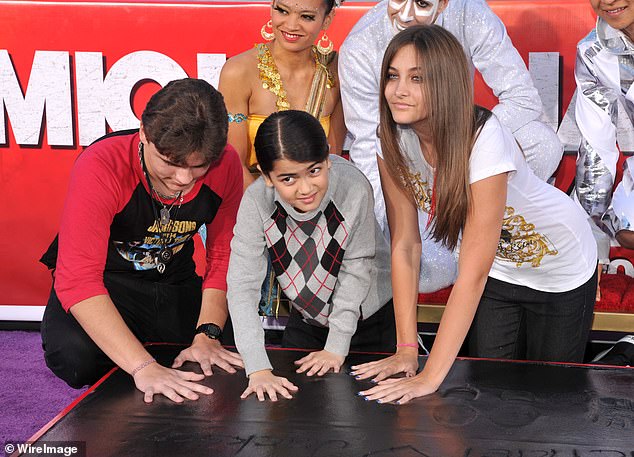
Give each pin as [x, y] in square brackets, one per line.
[596, 111]
[493, 54]
[360, 59]
[490, 49]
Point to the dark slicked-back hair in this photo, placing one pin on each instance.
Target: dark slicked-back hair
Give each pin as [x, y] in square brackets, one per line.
[330, 4]
[293, 135]
[186, 116]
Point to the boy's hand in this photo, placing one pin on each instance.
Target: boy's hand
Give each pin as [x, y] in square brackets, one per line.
[320, 363]
[264, 382]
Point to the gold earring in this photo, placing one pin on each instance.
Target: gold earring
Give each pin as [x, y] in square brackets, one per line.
[324, 50]
[268, 36]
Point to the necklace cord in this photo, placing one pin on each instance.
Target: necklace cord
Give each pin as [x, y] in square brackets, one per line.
[165, 253]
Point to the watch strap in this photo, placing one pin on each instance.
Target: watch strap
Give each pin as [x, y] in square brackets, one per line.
[211, 330]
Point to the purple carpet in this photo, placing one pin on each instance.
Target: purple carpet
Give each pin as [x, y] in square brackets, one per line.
[30, 395]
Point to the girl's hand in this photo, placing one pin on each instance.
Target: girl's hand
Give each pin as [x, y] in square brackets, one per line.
[400, 390]
[404, 361]
[320, 363]
[265, 382]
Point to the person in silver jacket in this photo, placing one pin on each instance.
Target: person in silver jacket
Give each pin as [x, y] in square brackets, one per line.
[490, 51]
[604, 72]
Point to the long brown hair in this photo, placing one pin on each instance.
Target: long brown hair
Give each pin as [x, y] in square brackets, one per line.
[453, 120]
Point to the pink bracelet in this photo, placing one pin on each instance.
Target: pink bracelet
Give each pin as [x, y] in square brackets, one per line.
[407, 345]
[142, 366]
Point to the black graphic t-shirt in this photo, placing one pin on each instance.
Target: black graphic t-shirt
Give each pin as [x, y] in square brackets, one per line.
[108, 223]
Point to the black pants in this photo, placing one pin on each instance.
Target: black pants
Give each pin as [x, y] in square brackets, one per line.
[374, 334]
[517, 322]
[154, 312]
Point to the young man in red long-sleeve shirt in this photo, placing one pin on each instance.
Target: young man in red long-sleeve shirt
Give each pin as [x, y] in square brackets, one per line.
[124, 273]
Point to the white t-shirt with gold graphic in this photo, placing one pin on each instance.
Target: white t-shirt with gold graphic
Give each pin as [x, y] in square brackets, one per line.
[546, 243]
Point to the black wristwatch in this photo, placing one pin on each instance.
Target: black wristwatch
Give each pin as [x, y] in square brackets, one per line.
[211, 330]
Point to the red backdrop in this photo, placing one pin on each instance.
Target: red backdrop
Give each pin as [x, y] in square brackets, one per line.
[33, 178]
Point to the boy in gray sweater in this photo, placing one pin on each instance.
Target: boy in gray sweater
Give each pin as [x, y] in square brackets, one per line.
[314, 214]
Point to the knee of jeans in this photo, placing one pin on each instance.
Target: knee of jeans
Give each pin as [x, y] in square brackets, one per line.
[74, 364]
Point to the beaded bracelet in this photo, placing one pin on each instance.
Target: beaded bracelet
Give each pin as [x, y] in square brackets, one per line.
[142, 366]
[407, 345]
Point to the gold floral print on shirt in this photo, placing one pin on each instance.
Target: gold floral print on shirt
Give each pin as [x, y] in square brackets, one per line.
[422, 189]
[520, 243]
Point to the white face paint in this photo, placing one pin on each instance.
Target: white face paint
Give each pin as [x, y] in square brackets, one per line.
[405, 13]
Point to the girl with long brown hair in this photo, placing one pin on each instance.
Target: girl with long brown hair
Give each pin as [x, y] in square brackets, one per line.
[527, 259]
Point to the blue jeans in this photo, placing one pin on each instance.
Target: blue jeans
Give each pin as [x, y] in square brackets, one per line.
[520, 323]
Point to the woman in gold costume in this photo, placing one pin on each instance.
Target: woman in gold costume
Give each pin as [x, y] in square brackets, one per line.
[287, 72]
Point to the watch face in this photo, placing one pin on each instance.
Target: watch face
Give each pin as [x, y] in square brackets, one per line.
[211, 330]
